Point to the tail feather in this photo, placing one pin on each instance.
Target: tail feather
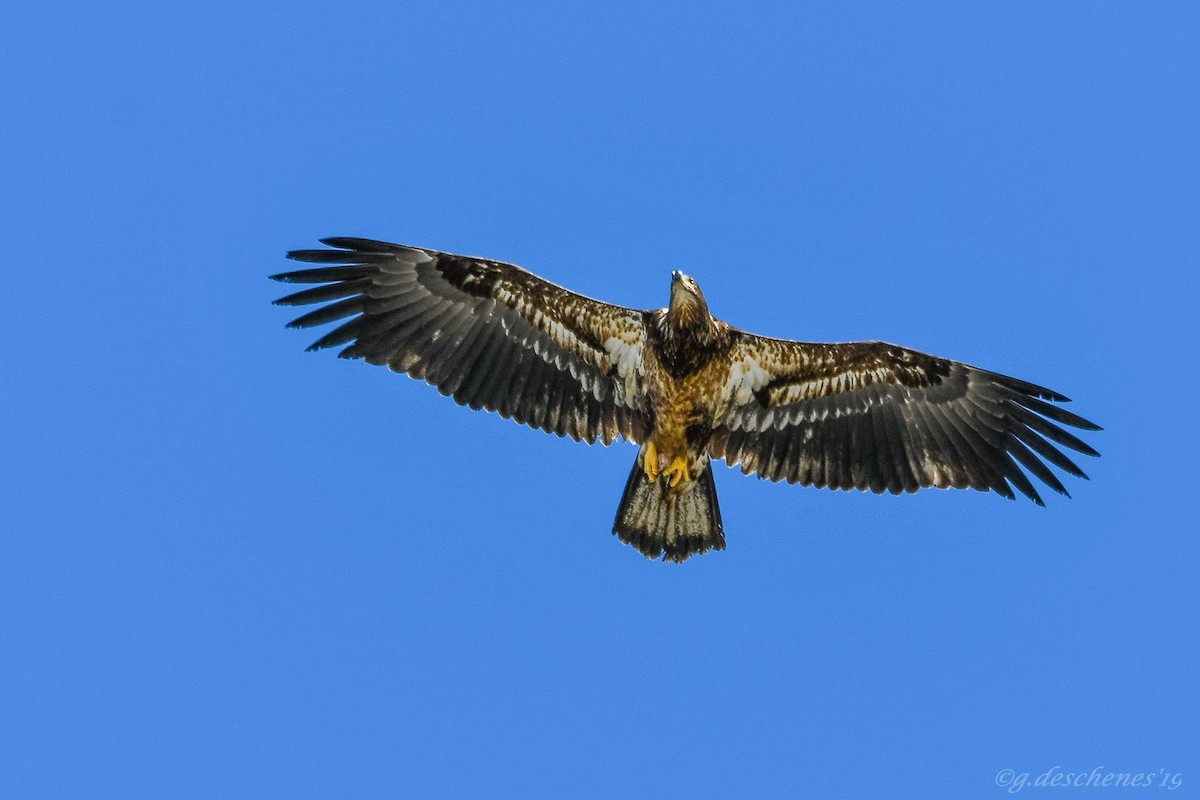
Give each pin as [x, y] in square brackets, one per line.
[675, 526]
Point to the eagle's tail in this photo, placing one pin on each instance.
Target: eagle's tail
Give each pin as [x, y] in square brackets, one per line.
[659, 522]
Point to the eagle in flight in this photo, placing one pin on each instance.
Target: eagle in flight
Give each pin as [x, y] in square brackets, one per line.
[684, 386]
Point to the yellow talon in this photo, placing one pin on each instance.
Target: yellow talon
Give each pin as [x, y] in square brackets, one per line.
[650, 462]
[677, 471]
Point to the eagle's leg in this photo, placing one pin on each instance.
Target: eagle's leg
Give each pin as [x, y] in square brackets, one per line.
[677, 471]
[649, 458]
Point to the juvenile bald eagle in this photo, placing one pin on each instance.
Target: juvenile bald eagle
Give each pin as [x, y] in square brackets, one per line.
[684, 386]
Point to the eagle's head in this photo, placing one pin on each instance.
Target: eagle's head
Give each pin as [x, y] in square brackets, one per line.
[687, 301]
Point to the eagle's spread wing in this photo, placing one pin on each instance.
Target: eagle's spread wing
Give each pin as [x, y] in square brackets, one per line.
[489, 334]
[872, 415]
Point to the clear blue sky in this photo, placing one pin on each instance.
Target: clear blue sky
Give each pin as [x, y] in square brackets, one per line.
[232, 569]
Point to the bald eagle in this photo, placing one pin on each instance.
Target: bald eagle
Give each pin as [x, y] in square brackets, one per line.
[684, 386]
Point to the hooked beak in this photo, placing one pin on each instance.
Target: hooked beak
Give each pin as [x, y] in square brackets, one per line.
[678, 286]
[685, 295]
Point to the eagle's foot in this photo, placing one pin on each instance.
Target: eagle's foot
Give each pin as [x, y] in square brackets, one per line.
[650, 462]
[677, 471]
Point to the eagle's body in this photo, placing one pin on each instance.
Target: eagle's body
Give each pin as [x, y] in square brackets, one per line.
[684, 386]
[687, 370]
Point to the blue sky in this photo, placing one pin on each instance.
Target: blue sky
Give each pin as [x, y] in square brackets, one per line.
[232, 569]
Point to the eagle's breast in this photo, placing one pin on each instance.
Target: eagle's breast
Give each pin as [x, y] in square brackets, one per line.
[687, 371]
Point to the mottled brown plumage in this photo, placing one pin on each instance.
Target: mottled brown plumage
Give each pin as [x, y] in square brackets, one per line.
[684, 386]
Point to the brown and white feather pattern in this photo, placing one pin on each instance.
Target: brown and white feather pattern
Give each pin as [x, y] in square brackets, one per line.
[687, 387]
[489, 334]
[876, 416]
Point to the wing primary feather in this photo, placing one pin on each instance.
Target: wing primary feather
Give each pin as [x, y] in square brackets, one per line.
[1024, 416]
[338, 336]
[1020, 482]
[329, 313]
[324, 274]
[1057, 414]
[1048, 452]
[1002, 488]
[376, 261]
[1023, 387]
[321, 294]
[1035, 466]
[363, 245]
